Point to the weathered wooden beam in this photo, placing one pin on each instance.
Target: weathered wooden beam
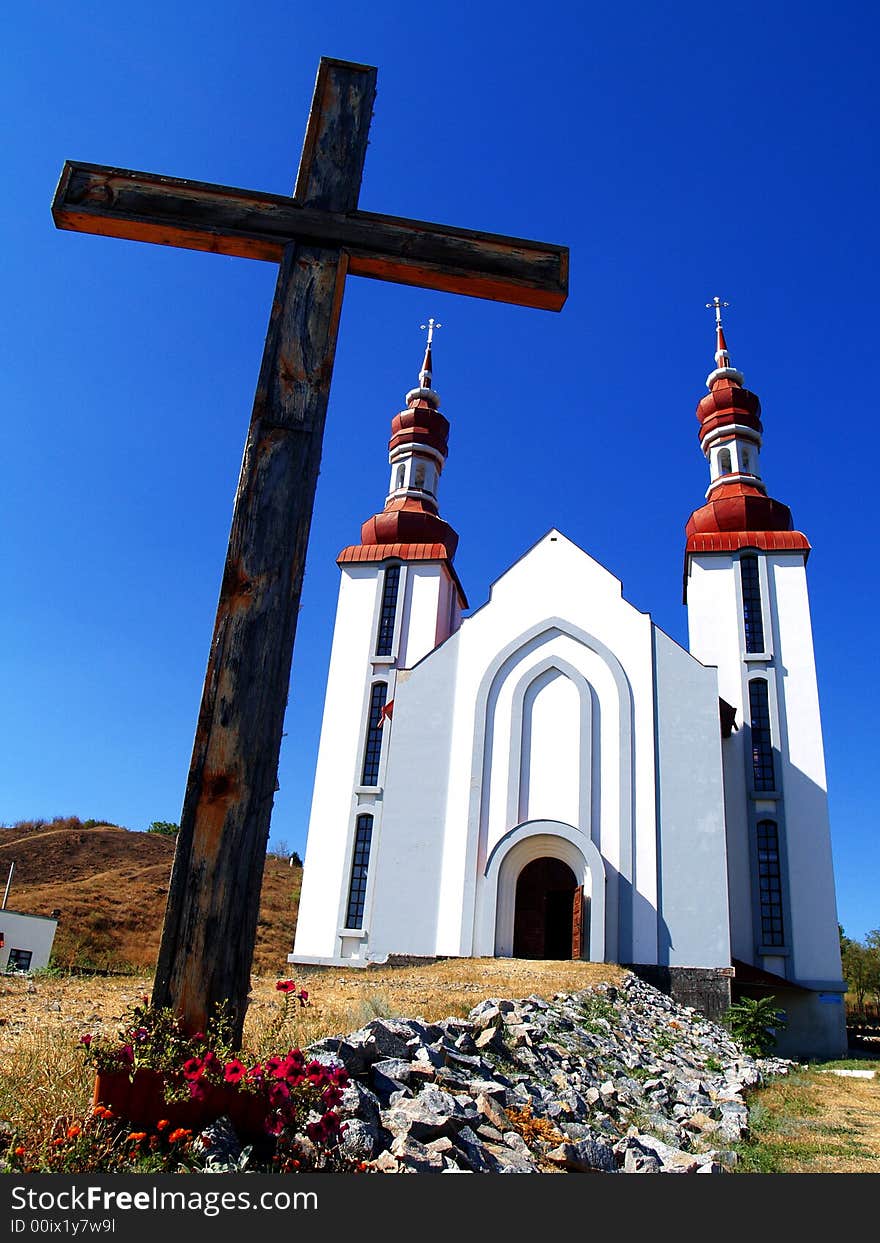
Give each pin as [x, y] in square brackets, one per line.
[213, 901]
[196, 215]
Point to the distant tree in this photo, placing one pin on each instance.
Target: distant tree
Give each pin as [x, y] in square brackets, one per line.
[295, 860]
[280, 849]
[166, 828]
[861, 965]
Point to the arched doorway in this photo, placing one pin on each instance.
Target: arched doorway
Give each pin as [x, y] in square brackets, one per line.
[544, 914]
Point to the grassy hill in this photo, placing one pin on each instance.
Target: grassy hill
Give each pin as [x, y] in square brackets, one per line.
[110, 886]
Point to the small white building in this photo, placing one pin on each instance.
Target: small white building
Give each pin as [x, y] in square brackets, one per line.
[553, 776]
[25, 940]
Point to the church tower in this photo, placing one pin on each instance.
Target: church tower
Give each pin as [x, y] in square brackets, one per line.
[749, 615]
[399, 597]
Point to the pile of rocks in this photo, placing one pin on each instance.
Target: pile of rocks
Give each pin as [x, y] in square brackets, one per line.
[608, 1080]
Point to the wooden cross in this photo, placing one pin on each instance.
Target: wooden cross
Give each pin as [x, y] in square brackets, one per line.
[317, 237]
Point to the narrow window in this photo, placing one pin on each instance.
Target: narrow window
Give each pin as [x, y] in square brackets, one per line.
[746, 460]
[390, 587]
[724, 466]
[770, 884]
[399, 483]
[357, 890]
[762, 743]
[420, 475]
[751, 593]
[373, 748]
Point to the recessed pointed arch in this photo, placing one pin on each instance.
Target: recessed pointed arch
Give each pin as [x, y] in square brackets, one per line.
[619, 937]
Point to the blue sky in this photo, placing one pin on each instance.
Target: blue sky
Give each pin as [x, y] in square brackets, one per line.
[680, 151]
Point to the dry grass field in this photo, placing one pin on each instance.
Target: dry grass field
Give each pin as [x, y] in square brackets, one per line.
[43, 1077]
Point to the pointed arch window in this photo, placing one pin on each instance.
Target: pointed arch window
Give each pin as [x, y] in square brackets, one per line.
[373, 744]
[388, 613]
[751, 596]
[770, 884]
[360, 863]
[763, 773]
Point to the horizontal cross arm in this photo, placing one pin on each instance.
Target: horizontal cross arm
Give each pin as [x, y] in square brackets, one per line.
[196, 215]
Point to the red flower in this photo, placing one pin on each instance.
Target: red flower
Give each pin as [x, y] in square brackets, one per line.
[179, 1134]
[86, 1039]
[162, 1124]
[73, 1131]
[137, 1136]
[303, 996]
[339, 1076]
[18, 1152]
[235, 1071]
[193, 1068]
[286, 986]
[331, 1096]
[279, 1093]
[295, 1059]
[272, 1065]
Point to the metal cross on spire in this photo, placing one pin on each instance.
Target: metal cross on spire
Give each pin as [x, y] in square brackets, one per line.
[717, 304]
[431, 325]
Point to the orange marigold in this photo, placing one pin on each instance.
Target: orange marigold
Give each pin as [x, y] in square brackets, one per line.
[73, 1131]
[137, 1136]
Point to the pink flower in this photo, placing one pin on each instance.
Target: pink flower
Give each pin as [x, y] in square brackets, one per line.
[234, 1071]
[303, 996]
[86, 1039]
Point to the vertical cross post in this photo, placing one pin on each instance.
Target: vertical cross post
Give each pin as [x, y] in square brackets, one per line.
[213, 900]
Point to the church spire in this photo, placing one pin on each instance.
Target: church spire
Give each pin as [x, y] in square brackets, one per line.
[730, 437]
[417, 454]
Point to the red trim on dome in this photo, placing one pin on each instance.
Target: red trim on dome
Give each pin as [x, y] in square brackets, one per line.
[370, 553]
[733, 541]
[726, 404]
[739, 507]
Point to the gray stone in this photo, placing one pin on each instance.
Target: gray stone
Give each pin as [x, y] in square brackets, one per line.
[585, 1157]
[360, 1141]
[509, 1162]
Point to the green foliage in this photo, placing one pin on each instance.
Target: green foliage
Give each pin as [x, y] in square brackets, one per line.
[166, 828]
[599, 1013]
[861, 966]
[754, 1022]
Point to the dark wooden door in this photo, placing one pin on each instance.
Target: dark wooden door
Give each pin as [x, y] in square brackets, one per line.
[544, 908]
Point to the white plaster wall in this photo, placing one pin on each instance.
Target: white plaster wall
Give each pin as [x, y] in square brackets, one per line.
[554, 579]
[421, 610]
[551, 739]
[337, 772]
[815, 942]
[27, 932]
[713, 623]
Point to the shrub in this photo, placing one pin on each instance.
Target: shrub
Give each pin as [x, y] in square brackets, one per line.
[754, 1022]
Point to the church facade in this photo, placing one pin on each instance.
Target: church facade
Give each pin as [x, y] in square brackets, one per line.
[552, 776]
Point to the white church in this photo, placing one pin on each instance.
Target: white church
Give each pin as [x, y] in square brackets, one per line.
[552, 776]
